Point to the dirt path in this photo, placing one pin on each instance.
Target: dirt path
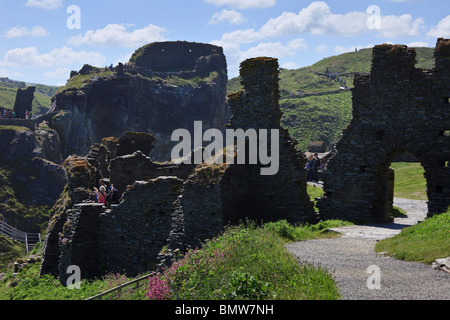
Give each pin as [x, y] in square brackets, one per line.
[355, 264]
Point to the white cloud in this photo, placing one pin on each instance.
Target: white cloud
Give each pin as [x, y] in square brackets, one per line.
[58, 73]
[17, 32]
[235, 55]
[10, 74]
[321, 48]
[341, 49]
[117, 35]
[317, 19]
[242, 36]
[233, 17]
[400, 26]
[290, 66]
[418, 44]
[243, 4]
[45, 4]
[57, 57]
[441, 30]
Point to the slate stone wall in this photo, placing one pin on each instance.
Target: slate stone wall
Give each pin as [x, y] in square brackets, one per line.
[136, 231]
[283, 195]
[397, 109]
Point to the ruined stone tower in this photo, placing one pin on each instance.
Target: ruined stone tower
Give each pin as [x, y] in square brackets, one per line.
[397, 109]
[279, 196]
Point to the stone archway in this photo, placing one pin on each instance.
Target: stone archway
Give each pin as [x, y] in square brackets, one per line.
[384, 177]
[396, 109]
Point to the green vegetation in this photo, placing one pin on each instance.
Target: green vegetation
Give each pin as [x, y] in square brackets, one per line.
[425, 242]
[9, 252]
[14, 128]
[410, 182]
[42, 97]
[314, 192]
[27, 285]
[317, 118]
[78, 82]
[305, 232]
[246, 262]
[181, 82]
[15, 199]
[398, 212]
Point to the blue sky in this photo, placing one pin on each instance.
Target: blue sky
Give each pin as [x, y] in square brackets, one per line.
[41, 41]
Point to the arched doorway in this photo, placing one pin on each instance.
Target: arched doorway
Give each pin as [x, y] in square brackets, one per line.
[400, 175]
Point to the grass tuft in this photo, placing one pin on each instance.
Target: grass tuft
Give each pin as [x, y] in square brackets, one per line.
[425, 242]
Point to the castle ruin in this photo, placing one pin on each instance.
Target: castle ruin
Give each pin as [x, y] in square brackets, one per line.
[397, 109]
[170, 206]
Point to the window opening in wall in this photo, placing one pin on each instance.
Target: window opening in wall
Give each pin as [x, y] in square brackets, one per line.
[446, 100]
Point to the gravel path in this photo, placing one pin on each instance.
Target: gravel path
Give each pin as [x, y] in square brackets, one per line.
[351, 259]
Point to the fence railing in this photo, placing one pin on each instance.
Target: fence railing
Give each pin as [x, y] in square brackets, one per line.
[28, 239]
[137, 283]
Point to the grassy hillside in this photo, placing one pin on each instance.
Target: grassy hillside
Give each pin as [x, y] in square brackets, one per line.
[42, 96]
[323, 110]
[410, 182]
[425, 242]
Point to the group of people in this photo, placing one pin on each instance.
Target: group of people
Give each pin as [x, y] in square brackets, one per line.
[106, 195]
[315, 165]
[8, 114]
[335, 76]
[11, 114]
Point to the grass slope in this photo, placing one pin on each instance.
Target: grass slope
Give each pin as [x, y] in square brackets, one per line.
[323, 117]
[425, 242]
[410, 182]
[246, 262]
[42, 97]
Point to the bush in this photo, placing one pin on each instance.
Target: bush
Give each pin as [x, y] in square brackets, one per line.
[244, 263]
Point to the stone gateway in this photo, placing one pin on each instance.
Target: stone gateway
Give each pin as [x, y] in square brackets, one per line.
[397, 109]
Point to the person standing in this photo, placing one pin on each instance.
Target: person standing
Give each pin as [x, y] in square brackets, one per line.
[315, 168]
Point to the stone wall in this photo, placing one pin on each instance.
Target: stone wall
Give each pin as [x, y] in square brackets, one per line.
[284, 195]
[24, 101]
[397, 109]
[135, 232]
[175, 56]
[127, 169]
[79, 241]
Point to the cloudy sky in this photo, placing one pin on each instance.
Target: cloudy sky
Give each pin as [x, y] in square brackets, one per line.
[41, 41]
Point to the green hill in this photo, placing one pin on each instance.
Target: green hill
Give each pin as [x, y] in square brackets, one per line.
[315, 106]
[42, 97]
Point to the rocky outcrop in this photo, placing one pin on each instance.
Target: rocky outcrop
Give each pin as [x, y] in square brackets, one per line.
[170, 206]
[30, 183]
[24, 101]
[164, 87]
